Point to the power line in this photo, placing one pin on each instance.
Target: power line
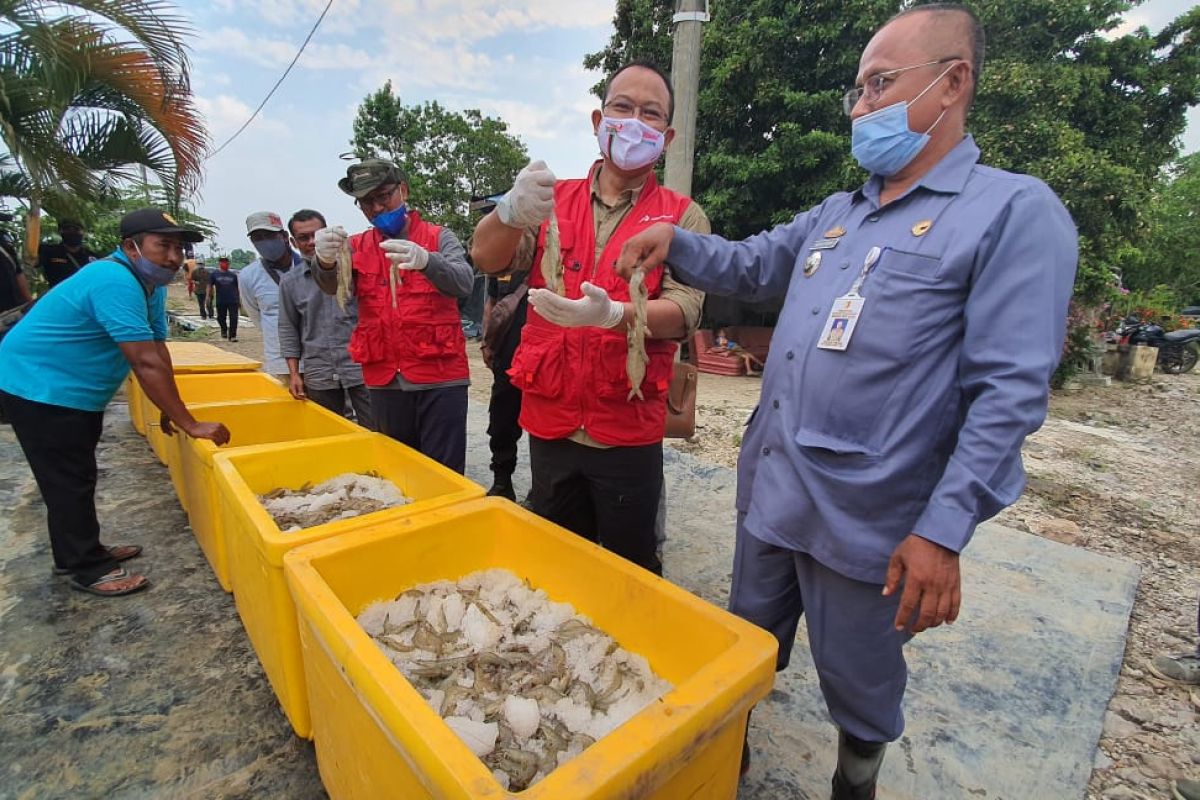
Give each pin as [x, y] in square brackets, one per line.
[282, 77]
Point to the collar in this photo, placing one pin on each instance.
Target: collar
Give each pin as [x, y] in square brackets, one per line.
[948, 176]
[634, 194]
[119, 255]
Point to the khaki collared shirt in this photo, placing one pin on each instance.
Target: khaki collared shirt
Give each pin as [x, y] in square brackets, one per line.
[607, 218]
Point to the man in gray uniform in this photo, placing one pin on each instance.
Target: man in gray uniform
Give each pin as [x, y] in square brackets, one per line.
[876, 451]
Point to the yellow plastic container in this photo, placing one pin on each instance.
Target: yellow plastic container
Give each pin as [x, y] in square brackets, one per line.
[186, 358]
[375, 735]
[250, 422]
[209, 387]
[255, 546]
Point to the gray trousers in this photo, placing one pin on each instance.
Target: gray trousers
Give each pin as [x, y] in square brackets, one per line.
[858, 653]
[335, 401]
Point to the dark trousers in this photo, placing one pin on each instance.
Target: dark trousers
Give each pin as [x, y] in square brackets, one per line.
[227, 316]
[608, 496]
[504, 430]
[335, 401]
[60, 446]
[205, 303]
[431, 421]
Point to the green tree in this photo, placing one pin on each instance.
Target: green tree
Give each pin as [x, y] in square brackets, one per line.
[88, 90]
[447, 156]
[1096, 118]
[1170, 255]
[239, 258]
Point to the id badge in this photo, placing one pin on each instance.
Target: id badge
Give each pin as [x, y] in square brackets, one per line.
[839, 325]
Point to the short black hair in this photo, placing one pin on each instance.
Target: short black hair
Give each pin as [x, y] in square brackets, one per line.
[304, 215]
[657, 70]
[978, 41]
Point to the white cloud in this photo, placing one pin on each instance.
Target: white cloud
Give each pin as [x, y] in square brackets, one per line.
[224, 114]
[472, 21]
[277, 53]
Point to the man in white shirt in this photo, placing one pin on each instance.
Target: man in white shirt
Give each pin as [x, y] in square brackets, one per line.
[259, 284]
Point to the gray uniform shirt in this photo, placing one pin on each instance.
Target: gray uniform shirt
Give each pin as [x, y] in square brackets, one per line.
[314, 329]
[447, 269]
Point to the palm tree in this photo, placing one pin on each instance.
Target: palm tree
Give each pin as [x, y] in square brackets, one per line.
[88, 95]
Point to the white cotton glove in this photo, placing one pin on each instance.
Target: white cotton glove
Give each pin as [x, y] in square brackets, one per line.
[405, 254]
[329, 241]
[530, 201]
[595, 308]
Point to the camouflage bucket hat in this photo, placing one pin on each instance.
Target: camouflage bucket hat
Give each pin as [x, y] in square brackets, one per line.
[367, 175]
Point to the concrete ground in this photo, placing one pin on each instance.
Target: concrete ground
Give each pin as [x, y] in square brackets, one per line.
[159, 694]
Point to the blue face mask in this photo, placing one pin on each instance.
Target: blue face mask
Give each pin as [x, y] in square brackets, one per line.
[391, 223]
[150, 272]
[882, 143]
[271, 250]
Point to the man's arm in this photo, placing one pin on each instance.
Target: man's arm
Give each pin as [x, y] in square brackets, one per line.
[1015, 326]
[494, 244]
[151, 365]
[290, 345]
[23, 287]
[448, 269]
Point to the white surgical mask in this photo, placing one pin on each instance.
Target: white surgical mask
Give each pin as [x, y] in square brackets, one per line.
[629, 143]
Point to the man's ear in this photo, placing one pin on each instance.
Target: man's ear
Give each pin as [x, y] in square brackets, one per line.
[597, 115]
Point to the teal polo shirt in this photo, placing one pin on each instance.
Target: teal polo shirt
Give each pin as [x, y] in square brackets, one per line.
[66, 352]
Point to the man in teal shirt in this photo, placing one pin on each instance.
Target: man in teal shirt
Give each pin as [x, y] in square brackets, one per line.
[61, 365]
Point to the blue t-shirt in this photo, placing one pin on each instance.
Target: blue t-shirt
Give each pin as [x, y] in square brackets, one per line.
[226, 283]
[65, 353]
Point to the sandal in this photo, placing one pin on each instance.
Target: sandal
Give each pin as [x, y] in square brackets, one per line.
[118, 552]
[132, 583]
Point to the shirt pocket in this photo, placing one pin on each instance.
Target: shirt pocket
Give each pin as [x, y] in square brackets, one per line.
[913, 265]
[538, 365]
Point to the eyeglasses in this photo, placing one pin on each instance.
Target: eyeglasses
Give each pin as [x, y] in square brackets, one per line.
[304, 237]
[651, 115]
[874, 86]
[378, 198]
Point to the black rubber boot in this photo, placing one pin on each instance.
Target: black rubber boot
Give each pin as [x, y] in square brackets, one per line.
[502, 487]
[746, 748]
[857, 769]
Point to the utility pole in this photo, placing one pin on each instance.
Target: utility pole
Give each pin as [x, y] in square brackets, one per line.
[690, 16]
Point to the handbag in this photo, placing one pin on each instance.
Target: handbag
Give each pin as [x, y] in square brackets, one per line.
[681, 402]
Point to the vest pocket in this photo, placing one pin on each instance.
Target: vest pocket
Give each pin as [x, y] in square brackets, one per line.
[611, 377]
[434, 341]
[367, 342]
[537, 366]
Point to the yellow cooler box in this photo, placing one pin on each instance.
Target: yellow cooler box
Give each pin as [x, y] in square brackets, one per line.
[250, 422]
[187, 358]
[377, 737]
[256, 546]
[211, 387]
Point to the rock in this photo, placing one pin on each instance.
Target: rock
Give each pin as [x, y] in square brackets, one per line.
[1059, 530]
[1156, 766]
[1129, 708]
[1117, 727]
[1121, 793]
[1102, 761]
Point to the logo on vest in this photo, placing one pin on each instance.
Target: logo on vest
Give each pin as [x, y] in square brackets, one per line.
[660, 218]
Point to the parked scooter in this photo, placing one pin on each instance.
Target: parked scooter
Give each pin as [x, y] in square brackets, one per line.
[1178, 351]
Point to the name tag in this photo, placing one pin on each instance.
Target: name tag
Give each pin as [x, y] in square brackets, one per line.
[824, 244]
[839, 325]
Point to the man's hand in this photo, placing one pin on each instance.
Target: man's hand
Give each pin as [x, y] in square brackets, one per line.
[164, 422]
[215, 431]
[932, 583]
[595, 308]
[646, 250]
[405, 254]
[296, 386]
[531, 199]
[328, 242]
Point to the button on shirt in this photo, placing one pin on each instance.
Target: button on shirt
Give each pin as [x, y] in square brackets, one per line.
[917, 427]
[314, 328]
[260, 299]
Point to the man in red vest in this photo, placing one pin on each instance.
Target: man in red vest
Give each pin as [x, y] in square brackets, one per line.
[408, 274]
[595, 447]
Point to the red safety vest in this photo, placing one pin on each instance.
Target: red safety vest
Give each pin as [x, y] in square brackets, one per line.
[574, 378]
[422, 337]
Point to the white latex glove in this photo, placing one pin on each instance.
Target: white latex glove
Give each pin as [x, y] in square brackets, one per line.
[329, 241]
[405, 254]
[530, 201]
[595, 308]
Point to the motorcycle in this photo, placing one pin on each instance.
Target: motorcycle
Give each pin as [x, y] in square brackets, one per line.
[1178, 351]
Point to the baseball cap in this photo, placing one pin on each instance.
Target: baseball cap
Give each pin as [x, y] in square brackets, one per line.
[369, 174]
[151, 220]
[264, 221]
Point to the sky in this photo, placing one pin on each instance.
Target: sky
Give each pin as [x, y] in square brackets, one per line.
[519, 60]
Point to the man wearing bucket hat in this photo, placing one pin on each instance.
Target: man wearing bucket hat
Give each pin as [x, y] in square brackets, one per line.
[61, 365]
[258, 284]
[407, 274]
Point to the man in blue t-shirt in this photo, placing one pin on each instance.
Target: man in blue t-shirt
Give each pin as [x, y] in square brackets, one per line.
[61, 365]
